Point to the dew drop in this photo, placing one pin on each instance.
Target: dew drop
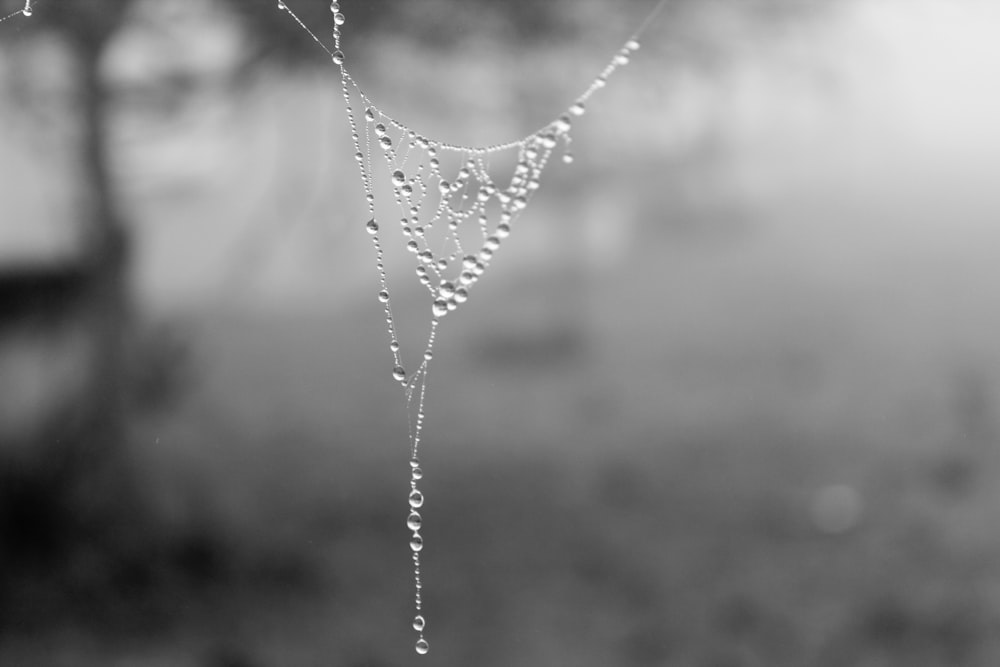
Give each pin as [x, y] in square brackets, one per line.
[414, 462]
[334, 6]
[419, 623]
[461, 296]
[407, 189]
[440, 308]
[417, 473]
[422, 647]
[383, 296]
[386, 142]
[380, 130]
[372, 227]
[416, 543]
[338, 57]
[28, 11]
[281, 5]
[520, 203]
[339, 19]
[447, 290]
[414, 521]
[398, 178]
[444, 187]
[412, 246]
[399, 373]
[562, 124]
[632, 45]
[394, 346]
[428, 356]
[577, 109]
[370, 114]
[468, 261]
[621, 58]
[567, 158]
[416, 499]
[467, 278]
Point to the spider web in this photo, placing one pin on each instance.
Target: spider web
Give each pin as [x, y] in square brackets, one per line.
[456, 207]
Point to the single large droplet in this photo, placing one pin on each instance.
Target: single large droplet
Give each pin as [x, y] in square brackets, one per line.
[621, 58]
[370, 114]
[398, 178]
[414, 521]
[632, 45]
[422, 646]
[416, 543]
[372, 226]
[447, 290]
[461, 295]
[562, 124]
[399, 373]
[419, 623]
[383, 296]
[380, 130]
[491, 243]
[577, 109]
[416, 499]
[339, 19]
[386, 142]
[338, 57]
[281, 5]
[503, 230]
[440, 308]
[417, 473]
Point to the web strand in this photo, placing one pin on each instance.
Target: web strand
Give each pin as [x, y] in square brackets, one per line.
[438, 188]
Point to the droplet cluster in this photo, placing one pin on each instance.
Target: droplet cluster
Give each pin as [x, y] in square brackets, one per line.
[440, 189]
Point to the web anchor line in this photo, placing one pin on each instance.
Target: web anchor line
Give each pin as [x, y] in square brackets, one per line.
[439, 189]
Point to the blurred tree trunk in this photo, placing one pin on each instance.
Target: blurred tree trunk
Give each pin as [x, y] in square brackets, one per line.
[99, 449]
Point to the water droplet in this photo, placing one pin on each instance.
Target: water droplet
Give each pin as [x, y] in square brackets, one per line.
[486, 254]
[339, 19]
[632, 45]
[386, 142]
[447, 290]
[359, 157]
[435, 163]
[467, 278]
[440, 308]
[562, 124]
[380, 130]
[577, 109]
[417, 473]
[442, 264]
[568, 158]
[520, 203]
[281, 5]
[419, 623]
[370, 114]
[461, 296]
[28, 11]
[398, 178]
[419, 231]
[621, 58]
[416, 543]
[426, 256]
[338, 57]
[407, 189]
[468, 261]
[334, 6]
[394, 346]
[399, 373]
[444, 186]
[412, 246]
[548, 140]
[416, 499]
[414, 521]
[483, 195]
[372, 227]
[422, 647]
[428, 356]
[383, 296]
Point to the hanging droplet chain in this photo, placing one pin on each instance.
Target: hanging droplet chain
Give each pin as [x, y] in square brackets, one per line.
[463, 197]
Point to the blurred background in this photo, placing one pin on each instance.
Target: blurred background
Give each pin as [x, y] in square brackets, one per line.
[727, 396]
